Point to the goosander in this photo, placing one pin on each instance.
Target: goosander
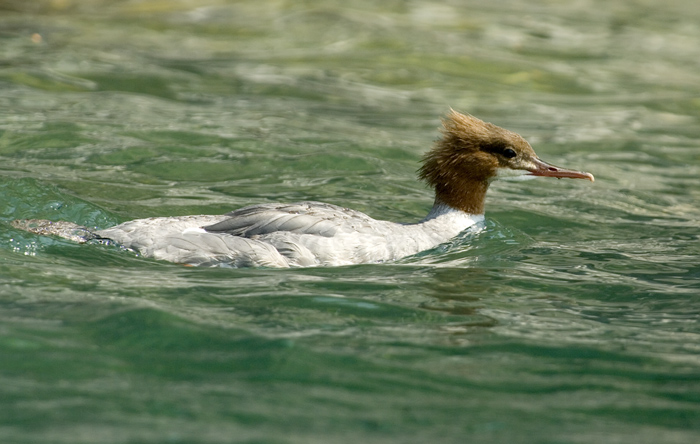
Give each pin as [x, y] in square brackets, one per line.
[459, 167]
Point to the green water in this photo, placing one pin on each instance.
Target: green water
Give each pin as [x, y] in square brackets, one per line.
[573, 317]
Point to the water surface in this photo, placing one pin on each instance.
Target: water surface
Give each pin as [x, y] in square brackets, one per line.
[572, 317]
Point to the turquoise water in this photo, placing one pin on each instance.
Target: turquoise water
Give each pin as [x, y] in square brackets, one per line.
[572, 317]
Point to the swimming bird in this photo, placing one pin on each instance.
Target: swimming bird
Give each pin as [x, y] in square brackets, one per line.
[460, 166]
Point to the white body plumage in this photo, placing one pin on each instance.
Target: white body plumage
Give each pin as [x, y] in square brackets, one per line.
[287, 235]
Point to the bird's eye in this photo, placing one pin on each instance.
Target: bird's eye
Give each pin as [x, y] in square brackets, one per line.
[509, 153]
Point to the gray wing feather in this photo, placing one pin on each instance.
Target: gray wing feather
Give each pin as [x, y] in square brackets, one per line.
[304, 218]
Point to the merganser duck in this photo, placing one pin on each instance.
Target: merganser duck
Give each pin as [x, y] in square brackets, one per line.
[459, 167]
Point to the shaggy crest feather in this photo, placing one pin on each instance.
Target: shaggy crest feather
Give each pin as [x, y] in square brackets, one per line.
[461, 164]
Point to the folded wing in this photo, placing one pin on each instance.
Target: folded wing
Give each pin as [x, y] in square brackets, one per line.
[312, 218]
